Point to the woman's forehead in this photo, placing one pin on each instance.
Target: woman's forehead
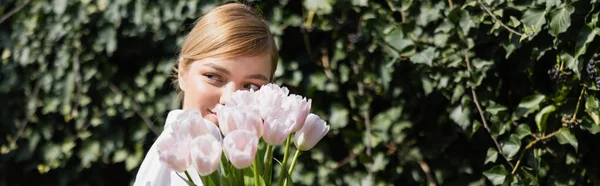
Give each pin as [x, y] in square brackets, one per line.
[238, 65]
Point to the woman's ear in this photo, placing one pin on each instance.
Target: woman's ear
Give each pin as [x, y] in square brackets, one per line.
[181, 76]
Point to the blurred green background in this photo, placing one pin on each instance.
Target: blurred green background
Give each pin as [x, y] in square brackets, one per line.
[448, 92]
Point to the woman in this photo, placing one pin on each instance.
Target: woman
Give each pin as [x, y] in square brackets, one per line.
[229, 49]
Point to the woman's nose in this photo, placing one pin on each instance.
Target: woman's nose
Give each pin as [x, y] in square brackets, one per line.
[226, 92]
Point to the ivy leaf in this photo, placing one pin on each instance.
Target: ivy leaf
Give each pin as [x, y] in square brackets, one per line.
[427, 84]
[89, 152]
[424, 57]
[359, 2]
[466, 22]
[540, 117]
[492, 155]
[461, 116]
[510, 46]
[397, 41]
[511, 147]
[572, 63]
[514, 22]
[592, 107]
[429, 13]
[320, 6]
[565, 136]
[561, 20]
[496, 174]
[551, 3]
[533, 20]
[528, 105]
[522, 131]
[338, 117]
[59, 6]
[594, 20]
[590, 126]
[585, 37]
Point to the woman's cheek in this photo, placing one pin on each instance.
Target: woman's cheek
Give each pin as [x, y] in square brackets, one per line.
[205, 93]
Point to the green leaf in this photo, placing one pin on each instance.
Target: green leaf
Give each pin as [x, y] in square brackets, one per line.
[496, 174]
[571, 63]
[533, 20]
[514, 22]
[530, 179]
[379, 163]
[565, 136]
[511, 147]
[528, 105]
[215, 178]
[429, 13]
[120, 155]
[427, 84]
[551, 3]
[542, 116]
[592, 107]
[338, 117]
[90, 152]
[466, 22]
[359, 2]
[496, 109]
[561, 19]
[593, 21]
[459, 91]
[590, 126]
[511, 45]
[320, 6]
[397, 41]
[249, 177]
[461, 116]
[522, 131]
[287, 176]
[585, 37]
[59, 6]
[491, 156]
[424, 57]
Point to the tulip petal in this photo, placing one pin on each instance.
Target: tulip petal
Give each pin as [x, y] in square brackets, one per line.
[205, 151]
[240, 147]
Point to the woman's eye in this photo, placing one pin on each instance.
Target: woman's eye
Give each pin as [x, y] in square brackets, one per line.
[213, 77]
[252, 87]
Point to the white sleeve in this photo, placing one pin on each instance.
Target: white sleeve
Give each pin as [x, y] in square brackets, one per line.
[152, 172]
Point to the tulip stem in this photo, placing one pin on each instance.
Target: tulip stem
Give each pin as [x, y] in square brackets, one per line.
[284, 163]
[268, 168]
[241, 176]
[292, 166]
[256, 182]
[189, 177]
[294, 161]
[232, 172]
[204, 180]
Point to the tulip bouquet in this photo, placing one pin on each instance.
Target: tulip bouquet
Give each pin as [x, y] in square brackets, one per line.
[240, 150]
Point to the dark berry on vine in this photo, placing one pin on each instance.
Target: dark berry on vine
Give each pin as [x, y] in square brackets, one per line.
[551, 72]
[591, 69]
[354, 38]
[554, 74]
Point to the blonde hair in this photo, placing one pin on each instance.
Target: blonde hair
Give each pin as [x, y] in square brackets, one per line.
[230, 30]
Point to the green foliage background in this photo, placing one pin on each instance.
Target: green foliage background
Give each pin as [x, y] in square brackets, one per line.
[85, 87]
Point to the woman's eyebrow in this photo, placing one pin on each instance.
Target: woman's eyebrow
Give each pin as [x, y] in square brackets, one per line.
[257, 76]
[217, 67]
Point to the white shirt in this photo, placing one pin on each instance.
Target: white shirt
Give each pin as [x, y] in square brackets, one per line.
[152, 172]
